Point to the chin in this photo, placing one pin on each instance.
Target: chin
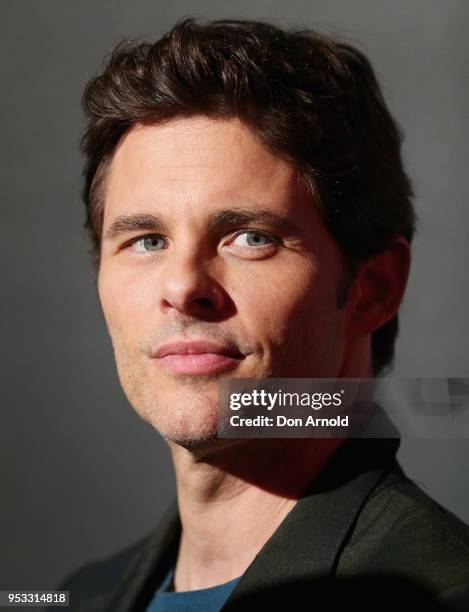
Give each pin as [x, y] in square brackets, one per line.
[192, 443]
[187, 419]
[192, 436]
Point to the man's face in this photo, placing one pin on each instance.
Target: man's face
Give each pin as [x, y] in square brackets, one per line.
[215, 263]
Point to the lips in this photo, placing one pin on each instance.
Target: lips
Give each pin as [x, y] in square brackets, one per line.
[199, 357]
[197, 348]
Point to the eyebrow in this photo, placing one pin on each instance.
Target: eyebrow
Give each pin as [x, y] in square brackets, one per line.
[232, 217]
[124, 224]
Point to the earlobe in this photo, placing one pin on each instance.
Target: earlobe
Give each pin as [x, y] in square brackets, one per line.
[378, 288]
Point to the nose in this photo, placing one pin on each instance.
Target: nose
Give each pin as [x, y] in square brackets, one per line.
[185, 284]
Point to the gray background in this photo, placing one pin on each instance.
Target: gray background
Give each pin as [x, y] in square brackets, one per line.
[81, 475]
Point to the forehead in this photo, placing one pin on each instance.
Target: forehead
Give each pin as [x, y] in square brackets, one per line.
[195, 165]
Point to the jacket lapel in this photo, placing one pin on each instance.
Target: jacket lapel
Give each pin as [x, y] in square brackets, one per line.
[308, 542]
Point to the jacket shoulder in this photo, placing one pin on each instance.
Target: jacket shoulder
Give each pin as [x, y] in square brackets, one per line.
[125, 575]
[101, 575]
[93, 582]
[403, 531]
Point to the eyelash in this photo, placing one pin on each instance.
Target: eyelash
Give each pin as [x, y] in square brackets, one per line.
[138, 239]
[273, 239]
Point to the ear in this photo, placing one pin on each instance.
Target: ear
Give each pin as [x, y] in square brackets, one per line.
[378, 288]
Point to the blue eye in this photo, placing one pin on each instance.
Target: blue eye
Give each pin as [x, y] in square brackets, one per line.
[252, 239]
[147, 244]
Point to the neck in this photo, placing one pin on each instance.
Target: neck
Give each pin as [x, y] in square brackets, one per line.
[232, 501]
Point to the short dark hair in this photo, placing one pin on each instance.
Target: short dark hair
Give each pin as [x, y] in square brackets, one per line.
[309, 99]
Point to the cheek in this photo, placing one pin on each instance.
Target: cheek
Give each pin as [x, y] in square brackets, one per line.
[126, 302]
[291, 312]
[275, 302]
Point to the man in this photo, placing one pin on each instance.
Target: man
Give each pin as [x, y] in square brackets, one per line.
[251, 218]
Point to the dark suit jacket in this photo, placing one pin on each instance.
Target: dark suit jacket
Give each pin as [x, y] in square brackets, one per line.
[363, 535]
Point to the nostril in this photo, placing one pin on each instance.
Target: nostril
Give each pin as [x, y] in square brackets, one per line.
[204, 302]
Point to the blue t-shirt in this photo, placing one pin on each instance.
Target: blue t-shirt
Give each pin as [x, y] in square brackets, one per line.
[201, 600]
